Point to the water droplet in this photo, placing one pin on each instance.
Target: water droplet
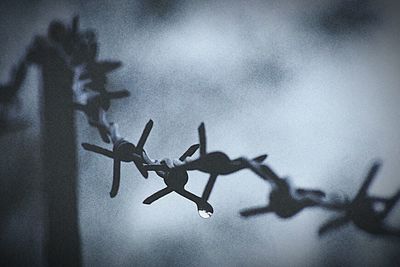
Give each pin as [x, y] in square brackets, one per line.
[379, 207]
[205, 214]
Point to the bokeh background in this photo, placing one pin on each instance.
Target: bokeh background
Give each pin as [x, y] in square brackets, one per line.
[315, 84]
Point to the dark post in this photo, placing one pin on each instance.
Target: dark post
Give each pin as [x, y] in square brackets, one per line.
[62, 244]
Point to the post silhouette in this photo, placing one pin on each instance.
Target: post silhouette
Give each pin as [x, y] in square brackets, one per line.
[62, 239]
[58, 142]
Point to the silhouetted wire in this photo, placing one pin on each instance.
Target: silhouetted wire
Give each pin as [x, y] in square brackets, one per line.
[93, 99]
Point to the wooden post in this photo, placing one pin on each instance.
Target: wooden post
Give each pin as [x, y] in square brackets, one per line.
[62, 243]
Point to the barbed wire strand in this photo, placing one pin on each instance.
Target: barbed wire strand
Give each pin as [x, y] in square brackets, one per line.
[79, 49]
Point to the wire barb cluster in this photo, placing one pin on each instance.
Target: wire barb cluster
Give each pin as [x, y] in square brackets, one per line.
[80, 50]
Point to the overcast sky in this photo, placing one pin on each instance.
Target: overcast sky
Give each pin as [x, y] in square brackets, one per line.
[314, 84]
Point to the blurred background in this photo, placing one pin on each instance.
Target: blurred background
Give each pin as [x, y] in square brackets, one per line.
[314, 84]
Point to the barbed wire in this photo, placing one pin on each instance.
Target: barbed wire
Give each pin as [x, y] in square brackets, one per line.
[79, 49]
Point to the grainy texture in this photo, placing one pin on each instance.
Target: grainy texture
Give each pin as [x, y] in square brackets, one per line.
[266, 77]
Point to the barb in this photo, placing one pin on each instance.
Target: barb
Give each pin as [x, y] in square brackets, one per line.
[363, 211]
[10, 90]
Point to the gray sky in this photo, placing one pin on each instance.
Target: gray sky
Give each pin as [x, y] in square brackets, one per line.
[275, 77]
